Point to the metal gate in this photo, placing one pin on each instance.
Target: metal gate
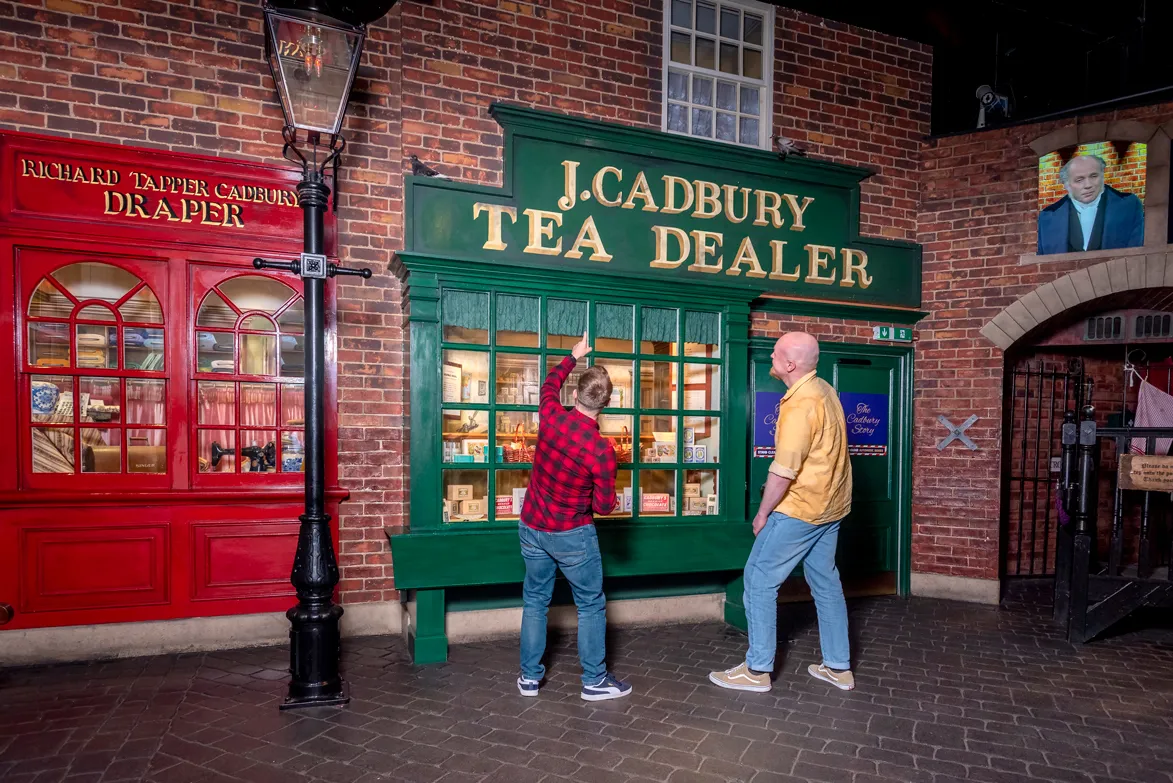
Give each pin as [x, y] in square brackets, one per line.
[1038, 395]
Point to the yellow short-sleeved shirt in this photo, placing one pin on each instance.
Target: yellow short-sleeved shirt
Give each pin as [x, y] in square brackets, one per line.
[810, 449]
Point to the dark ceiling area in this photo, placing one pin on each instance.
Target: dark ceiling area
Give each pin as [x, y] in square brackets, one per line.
[1046, 57]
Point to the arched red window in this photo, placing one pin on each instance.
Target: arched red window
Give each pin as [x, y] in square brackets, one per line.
[95, 365]
[249, 368]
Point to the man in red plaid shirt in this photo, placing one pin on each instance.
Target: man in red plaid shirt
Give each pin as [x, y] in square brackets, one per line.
[573, 476]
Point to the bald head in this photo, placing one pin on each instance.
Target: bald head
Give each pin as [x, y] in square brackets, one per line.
[795, 354]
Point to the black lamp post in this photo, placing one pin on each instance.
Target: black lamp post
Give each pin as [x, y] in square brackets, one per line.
[313, 50]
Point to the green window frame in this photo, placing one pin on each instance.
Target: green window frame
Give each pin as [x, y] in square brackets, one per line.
[496, 348]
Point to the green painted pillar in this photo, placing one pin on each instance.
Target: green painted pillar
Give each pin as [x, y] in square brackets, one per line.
[428, 640]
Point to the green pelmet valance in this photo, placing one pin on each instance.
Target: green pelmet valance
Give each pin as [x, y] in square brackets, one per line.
[659, 325]
[702, 328]
[566, 317]
[464, 309]
[517, 313]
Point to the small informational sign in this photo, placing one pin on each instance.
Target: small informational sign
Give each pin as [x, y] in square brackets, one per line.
[765, 422]
[894, 334]
[867, 423]
[1154, 473]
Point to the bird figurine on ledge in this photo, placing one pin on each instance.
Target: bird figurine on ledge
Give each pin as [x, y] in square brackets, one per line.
[419, 168]
[786, 147]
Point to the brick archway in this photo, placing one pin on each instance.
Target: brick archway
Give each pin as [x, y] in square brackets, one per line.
[1074, 289]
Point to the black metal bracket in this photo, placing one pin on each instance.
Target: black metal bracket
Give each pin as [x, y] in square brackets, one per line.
[332, 270]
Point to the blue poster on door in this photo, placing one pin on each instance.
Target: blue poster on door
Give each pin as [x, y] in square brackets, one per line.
[867, 423]
[765, 422]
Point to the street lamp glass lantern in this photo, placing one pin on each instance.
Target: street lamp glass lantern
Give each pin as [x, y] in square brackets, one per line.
[313, 58]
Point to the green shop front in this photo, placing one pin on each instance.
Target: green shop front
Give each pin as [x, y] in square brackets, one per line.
[660, 247]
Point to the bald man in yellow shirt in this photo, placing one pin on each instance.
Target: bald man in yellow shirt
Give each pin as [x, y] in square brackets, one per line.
[807, 495]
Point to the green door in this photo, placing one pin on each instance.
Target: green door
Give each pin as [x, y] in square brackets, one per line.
[874, 383]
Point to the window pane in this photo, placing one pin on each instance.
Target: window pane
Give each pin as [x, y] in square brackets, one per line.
[618, 430]
[620, 370]
[749, 131]
[91, 280]
[702, 434]
[658, 381]
[730, 23]
[752, 64]
[49, 345]
[702, 334]
[216, 403]
[48, 302]
[214, 352]
[571, 384]
[702, 390]
[706, 18]
[727, 96]
[96, 313]
[52, 450]
[256, 292]
[706, 53]
[143, 348]
[463, 426]
[143, 307]
[258, 404]
[658, 330]
[657, 493]
[465, 377]
[292, 405]
[517, 436]
[293, 319]
[293, 452]
[100, 400]
[677, 91]
[215, 312]
[146, 402]
[726, 126]
[700, 493]
[702, 90]
[258, 354]
[677, 118]
[657, 439]
[258, 323]
[258, 451]
[614, 327]
[729, 63]
[465, 317]
[97, 347]
[753, 29]
[702, 122]
[517, 379]
[101, 451]
[216, 451]
[623, 503]
[462, 490]
[292, 356]
[682, 13]
[749, 100]
[566, 320]
[517, 320]
[511, 488]
[681, 48]
[52, 399]
[146, 451]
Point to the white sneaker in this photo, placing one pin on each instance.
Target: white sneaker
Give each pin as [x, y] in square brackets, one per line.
[528, 687]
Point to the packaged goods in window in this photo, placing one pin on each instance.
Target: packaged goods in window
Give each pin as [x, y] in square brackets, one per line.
[689, 436]
[700, 453]
[460, 492]
[692, 490]
[711, 505]
[687, 453]
[518, 499]
[627, 505]
[504, 506]
[665, 452]
[447, 510]
[656, 503]
[476, 449]
[44, 398]
[473, 509]
[695, 507]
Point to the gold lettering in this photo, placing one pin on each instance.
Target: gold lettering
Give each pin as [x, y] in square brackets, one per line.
[28, 168]
[796, 211]
[708, 200]
[642, 191]
[569, 184]
[232, 216]
[729, 214]
[777, 246]
[670, 183]
[134, 205]
[817, 262]
[763, 197]
[164, 210]
[539, 229]
[855, 261]
[201, 187]
[746, 254]
[662, 233]
[703, 249]
[145, 182]
[588, 236]
[213, 213]
[597, 186]
[188, 208]
[494, 242]
[115, 203]
[219, 194]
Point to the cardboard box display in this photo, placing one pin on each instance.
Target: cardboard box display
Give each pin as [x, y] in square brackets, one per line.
[689, 452]
[504, 506]
[692, 490]
[656, 502]
[474, 508]
[689, 436]
[711, 505]
[518, 499]
[460, 491]
[695, 506]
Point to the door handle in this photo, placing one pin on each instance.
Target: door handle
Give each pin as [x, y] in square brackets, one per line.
[6, 614]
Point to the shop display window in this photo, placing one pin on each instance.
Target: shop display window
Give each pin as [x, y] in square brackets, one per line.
[94, 374]
[664, 419]
[249, 352]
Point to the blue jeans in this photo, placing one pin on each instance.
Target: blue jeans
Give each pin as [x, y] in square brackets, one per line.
[576, 552]
[784, 543]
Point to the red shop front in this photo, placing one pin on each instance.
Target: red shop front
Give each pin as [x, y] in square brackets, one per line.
[152, 393]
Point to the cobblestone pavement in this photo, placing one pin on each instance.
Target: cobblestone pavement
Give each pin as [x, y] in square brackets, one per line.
[946, 692]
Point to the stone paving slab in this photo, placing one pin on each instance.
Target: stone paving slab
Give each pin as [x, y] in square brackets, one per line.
[947, 692]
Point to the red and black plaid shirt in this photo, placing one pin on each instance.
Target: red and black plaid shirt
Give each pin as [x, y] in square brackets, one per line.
[574, 467]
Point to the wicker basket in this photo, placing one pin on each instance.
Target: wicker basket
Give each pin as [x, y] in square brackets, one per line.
[623, 446]
[517, 450]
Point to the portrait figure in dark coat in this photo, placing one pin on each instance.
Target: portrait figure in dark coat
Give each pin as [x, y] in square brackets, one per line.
[1092, 216]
